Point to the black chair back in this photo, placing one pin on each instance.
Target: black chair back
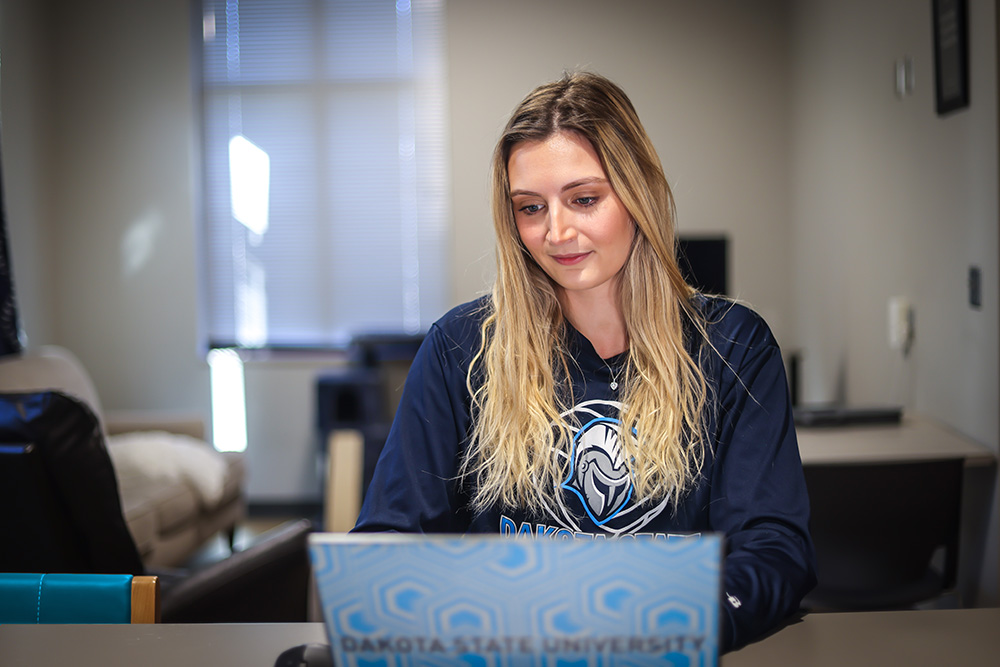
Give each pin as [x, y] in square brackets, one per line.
[62, 511]
[879, 529]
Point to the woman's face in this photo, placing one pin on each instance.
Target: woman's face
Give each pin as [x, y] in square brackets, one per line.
[568, 217]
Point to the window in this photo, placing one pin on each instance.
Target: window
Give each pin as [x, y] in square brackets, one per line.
[325, 196]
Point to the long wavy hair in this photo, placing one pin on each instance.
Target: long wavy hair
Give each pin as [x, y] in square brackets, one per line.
[519, 379]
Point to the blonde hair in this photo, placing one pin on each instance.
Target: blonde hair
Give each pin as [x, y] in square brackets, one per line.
[519, 379]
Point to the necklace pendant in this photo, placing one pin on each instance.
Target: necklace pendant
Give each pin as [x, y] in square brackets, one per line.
[614, 384]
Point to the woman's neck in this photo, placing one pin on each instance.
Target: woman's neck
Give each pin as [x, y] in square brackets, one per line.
[599, 319]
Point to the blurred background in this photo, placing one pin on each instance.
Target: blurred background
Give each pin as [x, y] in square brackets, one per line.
[805, 133]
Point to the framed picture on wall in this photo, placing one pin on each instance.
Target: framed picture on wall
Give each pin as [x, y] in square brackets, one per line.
[951, 55]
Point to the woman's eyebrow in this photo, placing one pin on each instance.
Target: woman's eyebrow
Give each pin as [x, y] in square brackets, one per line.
[584, 181]
[590, 180]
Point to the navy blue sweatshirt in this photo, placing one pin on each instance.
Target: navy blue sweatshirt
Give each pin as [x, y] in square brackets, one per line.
[752, 488]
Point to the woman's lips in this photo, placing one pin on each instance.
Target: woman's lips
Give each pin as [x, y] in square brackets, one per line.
[567, 260]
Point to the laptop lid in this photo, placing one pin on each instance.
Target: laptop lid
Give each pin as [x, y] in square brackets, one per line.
[404, 600]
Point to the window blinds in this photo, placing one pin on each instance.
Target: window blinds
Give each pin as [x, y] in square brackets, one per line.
[325, 197]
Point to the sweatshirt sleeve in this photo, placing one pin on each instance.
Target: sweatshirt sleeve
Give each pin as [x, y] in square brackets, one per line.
[758, 496]
[413, 488]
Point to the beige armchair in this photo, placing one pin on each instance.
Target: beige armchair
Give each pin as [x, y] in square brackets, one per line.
[167, 516]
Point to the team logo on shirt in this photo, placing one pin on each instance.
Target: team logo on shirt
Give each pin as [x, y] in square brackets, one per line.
[598, 487]
[598, 474]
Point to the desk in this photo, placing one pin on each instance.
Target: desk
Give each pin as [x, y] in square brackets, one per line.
[968, 637]
[913, 638]
[916, 438]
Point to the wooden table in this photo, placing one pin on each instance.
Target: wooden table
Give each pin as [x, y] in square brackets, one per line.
[916, 438]
[968, 637]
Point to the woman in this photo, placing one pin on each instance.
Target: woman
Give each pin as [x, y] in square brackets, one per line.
[514, 414]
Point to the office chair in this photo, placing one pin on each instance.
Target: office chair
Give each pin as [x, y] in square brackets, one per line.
[27, 598]
[879, 531]
[269, 581]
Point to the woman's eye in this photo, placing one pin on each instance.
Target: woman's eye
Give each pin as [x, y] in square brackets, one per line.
[530, 208]
[586, 201]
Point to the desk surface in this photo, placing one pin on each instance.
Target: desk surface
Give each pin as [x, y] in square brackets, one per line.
[912, 638]
[968, 637]
[915, 439]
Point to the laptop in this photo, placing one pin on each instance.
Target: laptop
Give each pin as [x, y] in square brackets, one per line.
[487, 600]
[837, 415]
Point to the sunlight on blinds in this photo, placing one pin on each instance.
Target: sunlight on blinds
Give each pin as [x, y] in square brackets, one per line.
[250, 179]
[325, 198]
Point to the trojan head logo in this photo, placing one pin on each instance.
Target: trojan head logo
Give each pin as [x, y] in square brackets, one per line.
[598, 475]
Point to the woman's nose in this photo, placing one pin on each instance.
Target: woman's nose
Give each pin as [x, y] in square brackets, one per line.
[561, 227]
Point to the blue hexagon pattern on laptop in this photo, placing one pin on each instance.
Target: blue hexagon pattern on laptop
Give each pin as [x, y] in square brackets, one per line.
[490, 601]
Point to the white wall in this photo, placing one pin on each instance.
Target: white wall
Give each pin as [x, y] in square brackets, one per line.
[889, 199]
[709, 80]
[122, 212]
[99, 155]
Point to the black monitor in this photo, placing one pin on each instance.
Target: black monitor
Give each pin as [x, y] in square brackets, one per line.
[704, 262]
